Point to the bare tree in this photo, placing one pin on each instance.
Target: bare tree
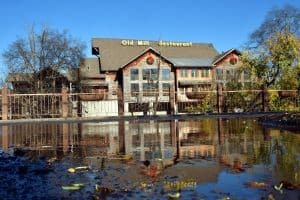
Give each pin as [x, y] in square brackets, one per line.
[41, 58]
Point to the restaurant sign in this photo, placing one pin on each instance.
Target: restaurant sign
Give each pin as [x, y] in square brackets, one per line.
[159, 43]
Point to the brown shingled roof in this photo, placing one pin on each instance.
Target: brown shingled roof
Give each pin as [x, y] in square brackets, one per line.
[113, 54]
[89, 68]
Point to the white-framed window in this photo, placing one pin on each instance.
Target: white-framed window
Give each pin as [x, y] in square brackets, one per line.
[134, 74]
[165, 73]
[134, 89]
[149, 89]
[204, 73]
[183, 73]
[194, 73]
[150, 74]
[166, 89]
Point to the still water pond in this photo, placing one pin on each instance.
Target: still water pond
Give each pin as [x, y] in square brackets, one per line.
[191, 159]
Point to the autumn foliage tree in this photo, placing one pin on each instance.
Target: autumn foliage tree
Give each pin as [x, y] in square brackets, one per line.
[273, 51]
[276, 62]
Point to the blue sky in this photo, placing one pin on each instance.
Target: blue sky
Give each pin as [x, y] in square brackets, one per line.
[226, 24]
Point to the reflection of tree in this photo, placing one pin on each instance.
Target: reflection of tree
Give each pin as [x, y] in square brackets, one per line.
[287, 163]
[247, 142]
[243, 140]
[280, 153]
[263, 154]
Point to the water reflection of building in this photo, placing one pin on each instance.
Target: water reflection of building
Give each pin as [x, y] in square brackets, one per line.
[100, 137]
[37, 136]
[150, 140]
[228, 140]
[196, 139]
[228, 143]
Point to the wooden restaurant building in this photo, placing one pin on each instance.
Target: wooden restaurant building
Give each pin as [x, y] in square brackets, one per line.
[146, 71]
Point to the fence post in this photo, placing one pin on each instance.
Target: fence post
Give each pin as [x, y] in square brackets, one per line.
[120, 102]
[264, 94]
[220, 98]
[221, 134]
[65, 130]
[65, 103]
[5, 137]
[4, 103]
[122, 137]
[173, 133]
[172, 99]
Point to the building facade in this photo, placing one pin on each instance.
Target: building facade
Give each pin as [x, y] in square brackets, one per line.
[146, 71]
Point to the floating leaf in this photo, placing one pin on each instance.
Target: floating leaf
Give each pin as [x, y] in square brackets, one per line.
[143, 185]
[256, 184]
[97, 187]
[174, 195]
[78, 184]
[225, 198]
[70, 187]
[71, 170]
[279, 188]
[271, 197]
[104, 190]
[51, 160]
[82, 168]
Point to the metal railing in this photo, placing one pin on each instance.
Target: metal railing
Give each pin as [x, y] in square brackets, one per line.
[34, 105]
